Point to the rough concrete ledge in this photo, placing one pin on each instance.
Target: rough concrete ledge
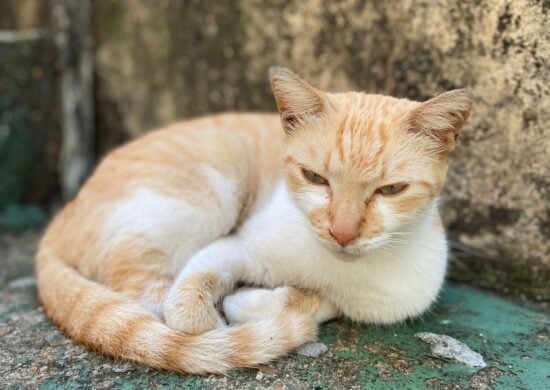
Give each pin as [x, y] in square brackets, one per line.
[514, 342]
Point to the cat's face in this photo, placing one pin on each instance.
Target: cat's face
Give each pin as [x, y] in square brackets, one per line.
[364, 168]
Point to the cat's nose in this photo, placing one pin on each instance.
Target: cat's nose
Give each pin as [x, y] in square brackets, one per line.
[344, 237]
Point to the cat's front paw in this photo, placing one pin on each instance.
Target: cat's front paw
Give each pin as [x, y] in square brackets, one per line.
[192, 315]
[253, 304]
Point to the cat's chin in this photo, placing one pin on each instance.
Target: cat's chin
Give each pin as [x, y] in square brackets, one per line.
[347, 254]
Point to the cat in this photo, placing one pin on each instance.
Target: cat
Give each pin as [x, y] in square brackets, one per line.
[328, 209]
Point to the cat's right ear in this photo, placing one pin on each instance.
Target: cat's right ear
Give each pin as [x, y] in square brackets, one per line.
[295, 98]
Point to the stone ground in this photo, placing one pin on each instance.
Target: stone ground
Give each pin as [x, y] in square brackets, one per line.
[513, 339]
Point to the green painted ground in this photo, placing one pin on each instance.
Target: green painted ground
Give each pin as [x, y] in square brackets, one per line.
[514, 340]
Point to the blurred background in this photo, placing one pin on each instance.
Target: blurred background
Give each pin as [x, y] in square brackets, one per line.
[79, 77]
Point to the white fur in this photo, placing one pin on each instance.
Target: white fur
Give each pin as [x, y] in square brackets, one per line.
[380, 287]
[157, 216]
[276, 247]
[180, 229]
[253, 304]
[256, 304]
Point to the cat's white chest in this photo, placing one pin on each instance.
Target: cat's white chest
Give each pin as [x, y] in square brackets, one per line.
[375, 288]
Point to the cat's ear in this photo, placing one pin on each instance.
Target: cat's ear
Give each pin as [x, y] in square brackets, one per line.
[295, 98]
[442, 118]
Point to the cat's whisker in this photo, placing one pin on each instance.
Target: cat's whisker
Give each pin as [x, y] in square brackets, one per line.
[415, 244]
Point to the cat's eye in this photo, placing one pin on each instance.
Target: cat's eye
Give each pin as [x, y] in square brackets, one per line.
[392, 189]
[314, 177]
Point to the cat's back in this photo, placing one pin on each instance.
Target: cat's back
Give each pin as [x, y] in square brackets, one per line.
[170, 157]
[195, 138]
[184, 161]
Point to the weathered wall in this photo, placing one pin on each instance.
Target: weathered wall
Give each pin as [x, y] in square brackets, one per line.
[158, 61]
[25, 14]
[28, 117]
[46, 69]
[74, 41]
[29, 112]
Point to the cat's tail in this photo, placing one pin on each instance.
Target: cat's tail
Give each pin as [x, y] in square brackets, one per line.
[108, 322]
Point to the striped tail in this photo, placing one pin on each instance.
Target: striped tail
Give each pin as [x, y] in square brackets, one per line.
[108, 322]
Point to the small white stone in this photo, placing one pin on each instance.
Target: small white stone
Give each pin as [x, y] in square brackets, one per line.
[259, 376]
[123, 368]
[446, 347]
[55, 340]
[24, 282]
[312, 349]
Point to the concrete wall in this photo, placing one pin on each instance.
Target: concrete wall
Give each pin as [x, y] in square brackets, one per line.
[159, 61]
[25, 14]
[29, 107]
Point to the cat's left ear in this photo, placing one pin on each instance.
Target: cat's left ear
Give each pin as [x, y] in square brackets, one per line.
[295, 98]
[442, 118]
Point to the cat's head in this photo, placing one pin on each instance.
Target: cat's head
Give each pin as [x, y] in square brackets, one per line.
[364, 168]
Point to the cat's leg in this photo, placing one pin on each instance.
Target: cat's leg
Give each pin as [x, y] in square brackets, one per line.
[210, 274]
[253, 304]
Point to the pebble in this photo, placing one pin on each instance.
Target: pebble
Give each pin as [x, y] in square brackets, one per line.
[21, 283]
[123, 368]
[59, 364]
[55, 340]
[446, 347]
[312, 349]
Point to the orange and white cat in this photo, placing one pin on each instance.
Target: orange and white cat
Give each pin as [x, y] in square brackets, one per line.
[334, 214]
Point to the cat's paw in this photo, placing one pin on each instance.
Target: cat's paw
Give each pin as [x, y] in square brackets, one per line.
[193, 315]
[253, 304]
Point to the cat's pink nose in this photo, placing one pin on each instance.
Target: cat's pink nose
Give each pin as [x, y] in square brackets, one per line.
[344, 237]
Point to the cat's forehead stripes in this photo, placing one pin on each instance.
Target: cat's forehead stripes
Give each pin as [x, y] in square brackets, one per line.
[360, 142]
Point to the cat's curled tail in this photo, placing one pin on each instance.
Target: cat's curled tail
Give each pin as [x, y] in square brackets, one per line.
[110, 323]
